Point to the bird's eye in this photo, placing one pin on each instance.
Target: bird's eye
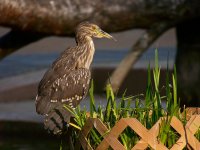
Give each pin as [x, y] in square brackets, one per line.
[94, 28]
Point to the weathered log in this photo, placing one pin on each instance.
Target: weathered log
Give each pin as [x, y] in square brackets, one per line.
[59, 17]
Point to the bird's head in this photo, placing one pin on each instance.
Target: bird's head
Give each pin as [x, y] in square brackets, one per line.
[92, 30]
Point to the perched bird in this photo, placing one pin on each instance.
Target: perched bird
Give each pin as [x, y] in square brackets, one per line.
[67, 80]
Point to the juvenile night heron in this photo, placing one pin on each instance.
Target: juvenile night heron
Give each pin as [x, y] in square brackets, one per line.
[67, 81]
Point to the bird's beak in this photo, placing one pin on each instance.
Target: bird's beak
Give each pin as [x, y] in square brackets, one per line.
[106, 35]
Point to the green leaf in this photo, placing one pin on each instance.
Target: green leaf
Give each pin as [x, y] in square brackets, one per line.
[92, 101]
[174, 80]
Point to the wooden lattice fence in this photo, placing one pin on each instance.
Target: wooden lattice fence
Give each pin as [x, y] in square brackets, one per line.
[149, 138]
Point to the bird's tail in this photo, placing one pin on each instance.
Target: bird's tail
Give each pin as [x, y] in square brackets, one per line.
[56, 116]
[57, 120]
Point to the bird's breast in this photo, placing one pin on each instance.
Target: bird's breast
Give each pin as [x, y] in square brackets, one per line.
[86, 57]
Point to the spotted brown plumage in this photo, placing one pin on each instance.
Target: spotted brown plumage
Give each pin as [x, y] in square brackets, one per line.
[67, 80]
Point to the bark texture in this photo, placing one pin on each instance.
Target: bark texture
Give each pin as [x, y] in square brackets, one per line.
[59, 17]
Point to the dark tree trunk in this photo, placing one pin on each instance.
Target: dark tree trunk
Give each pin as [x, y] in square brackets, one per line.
[16, 39]
[188, 62]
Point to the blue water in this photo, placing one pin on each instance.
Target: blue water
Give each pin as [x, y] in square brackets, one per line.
[21, 63]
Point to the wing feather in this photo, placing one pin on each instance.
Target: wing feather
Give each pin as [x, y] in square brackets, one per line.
[62, 83]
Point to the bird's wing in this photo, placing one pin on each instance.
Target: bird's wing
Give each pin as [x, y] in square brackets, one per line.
[69, 90]
[64, 64]
[66, 89]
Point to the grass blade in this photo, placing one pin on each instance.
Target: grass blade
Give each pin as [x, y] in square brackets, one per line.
[92, 101]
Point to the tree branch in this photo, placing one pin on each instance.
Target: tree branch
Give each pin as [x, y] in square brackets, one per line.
[138, 49]
[15, 39]
[59, 17]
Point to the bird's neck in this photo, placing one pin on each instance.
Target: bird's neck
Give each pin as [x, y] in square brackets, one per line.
[87, 49]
